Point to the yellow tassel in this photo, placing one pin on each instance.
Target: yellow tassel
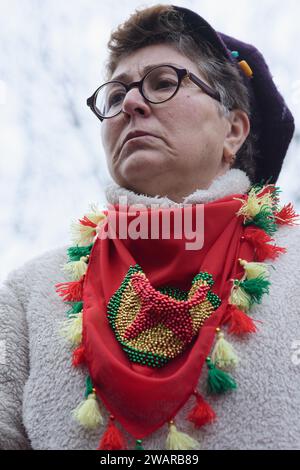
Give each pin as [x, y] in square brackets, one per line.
[95, 215]
[87, 413]
[254, 204]
[223, 354]
[254, 270]
[179, 440]
[72, 329]
[82, 235]
[76, 269]
[240, 298]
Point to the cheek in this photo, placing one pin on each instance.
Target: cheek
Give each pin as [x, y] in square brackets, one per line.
[108, 136]
[205, 120]
[104, 135]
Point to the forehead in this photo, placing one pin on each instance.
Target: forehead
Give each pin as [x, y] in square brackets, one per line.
[133, 65]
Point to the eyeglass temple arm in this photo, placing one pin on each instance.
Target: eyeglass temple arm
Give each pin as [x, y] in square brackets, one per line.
[214, 94]
[90, 103]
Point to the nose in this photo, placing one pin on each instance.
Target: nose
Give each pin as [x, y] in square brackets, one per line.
[134, 103]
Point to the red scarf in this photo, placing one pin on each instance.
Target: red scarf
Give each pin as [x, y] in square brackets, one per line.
[140, 397]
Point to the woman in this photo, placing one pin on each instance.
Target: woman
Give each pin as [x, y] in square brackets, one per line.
[189, 117]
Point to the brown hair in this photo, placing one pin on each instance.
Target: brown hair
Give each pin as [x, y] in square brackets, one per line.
[163, 24]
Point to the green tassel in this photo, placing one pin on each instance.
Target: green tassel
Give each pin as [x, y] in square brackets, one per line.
[256, 288]
[218, 380]
[257, 187]
[265, 220]
[88, 386]
[76, 252]
[76, 308]
[138, 445]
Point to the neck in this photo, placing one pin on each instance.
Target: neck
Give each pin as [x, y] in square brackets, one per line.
[234, 181]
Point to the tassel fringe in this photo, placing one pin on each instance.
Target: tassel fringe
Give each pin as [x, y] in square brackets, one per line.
[260, 241]
[72, 329]
[88, 413]
[177, 440]
[255, 204]
[84, 232]
[287, 215]
[256, 288]
[76, 269]
[223, 354]
[76, 308]
[202, 413]
[254, 270]
[78, 356]
[70, 291]
[76, 252]
[239, 322]
[240, 298]
[112, 439]
[218, 380]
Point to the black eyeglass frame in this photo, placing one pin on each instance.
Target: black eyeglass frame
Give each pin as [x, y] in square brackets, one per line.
[181, 74]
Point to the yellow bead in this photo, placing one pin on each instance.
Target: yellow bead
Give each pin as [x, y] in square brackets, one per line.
[246, 68]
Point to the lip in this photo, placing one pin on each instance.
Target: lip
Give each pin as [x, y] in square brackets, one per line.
[135, 134]
[137, 138]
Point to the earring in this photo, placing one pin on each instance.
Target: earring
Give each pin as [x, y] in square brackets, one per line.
[232, 160]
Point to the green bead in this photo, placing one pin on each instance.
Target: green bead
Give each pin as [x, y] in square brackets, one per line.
[138, 445]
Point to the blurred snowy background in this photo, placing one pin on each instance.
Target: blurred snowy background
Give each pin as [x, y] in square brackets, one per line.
[51, 59]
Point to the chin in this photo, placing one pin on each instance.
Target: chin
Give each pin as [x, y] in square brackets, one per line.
[140, 165]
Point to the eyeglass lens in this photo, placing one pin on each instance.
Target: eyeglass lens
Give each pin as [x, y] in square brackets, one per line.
[159, 85]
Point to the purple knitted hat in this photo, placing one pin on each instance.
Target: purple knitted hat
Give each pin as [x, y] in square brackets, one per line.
[270, 114]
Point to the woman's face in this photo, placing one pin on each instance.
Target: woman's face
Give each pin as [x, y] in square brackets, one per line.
[191, 142]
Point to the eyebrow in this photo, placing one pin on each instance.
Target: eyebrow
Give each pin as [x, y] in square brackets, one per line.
[147, 68]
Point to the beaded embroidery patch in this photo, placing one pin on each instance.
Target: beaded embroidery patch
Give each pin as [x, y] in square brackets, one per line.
[154, 326]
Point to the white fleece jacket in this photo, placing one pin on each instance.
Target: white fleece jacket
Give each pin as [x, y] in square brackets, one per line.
[39, 387]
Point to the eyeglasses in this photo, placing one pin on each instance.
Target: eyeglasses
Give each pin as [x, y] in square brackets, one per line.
[160, 84]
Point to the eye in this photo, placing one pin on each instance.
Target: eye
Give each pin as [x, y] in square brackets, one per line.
[115, 98]
[165, 83]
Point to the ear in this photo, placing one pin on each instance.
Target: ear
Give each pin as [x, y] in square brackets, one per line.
[238, 131]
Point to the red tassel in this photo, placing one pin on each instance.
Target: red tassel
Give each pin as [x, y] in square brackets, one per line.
[87, 222]
[78, 356]
[287, 215]
[239, 322]
[269, 188]
[71, 291]
[202, 413]
[112, 439]
[260, 240]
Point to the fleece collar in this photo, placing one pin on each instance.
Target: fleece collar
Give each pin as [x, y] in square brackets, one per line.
[234, 181]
